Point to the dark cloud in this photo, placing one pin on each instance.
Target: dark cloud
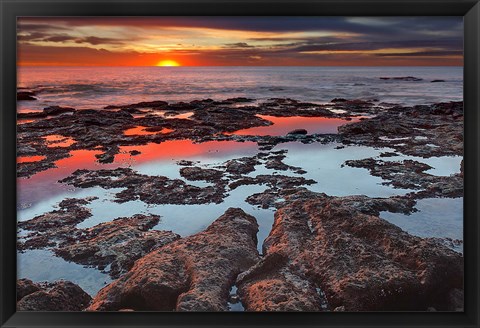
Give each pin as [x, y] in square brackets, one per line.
[94, 40]
[31, 36]
[389, 25]
[58, 38]
[26, 27]
[451, 44]
[423, 54]
[239, 45]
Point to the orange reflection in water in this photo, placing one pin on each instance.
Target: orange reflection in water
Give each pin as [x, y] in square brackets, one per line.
[29, 159]
[140, 131]
[56, 140]
[24, 120]
[44, 184]
[181, 149]
[283, 125]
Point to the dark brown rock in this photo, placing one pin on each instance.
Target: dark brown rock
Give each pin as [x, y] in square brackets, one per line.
[58, 296]
[298, 131]
[25, 95]
[149, 189]
[118, 243]
[25, 287]
[403, 78]
[71, 213]
[191, 274]
[358, 261]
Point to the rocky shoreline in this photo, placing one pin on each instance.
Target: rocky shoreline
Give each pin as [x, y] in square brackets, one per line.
[324, 253]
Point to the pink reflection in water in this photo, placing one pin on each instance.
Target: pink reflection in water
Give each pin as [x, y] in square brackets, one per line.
[283, 125]
[29, 159]
[140, 131]
[182, 149]
[56, 140]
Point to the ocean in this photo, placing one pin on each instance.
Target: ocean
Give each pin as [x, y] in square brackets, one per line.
[97, 87]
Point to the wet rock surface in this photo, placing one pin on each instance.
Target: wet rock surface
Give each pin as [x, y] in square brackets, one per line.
[191, 274]
[58, 296]
[112, 246]
[118, 243]
[71, 212]
[323, 247]
[26, 95]
[403, 78]
[410, 174]
[423, 131]
[149, 189]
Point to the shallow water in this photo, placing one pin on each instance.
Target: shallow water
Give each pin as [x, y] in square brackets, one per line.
[283, 125]
[42, 265]
[436, 217]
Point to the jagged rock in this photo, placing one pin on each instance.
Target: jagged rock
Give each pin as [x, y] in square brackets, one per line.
[358, 261]
[58, 296]
[25, 95]
[118, 243]
[197, 173]
[403, 78]
[25, 287]
[71, 213]
[298, 131]
[190, 274]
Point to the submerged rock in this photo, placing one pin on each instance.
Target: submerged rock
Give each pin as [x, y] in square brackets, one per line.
[324, 247]
[25, 95]
[402, 78]
[58, 296]
[118, 243]
[298, 131]
[191, 274]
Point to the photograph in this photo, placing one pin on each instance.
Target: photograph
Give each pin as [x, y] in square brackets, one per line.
[240, 163]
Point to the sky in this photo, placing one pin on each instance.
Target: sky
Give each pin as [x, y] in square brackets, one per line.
[240, 41]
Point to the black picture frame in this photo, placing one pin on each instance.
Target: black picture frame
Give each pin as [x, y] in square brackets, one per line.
[11, 9]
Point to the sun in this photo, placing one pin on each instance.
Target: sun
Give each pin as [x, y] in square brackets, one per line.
[167, 63]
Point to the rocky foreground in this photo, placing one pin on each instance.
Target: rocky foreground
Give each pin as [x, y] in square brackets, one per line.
[323, 253]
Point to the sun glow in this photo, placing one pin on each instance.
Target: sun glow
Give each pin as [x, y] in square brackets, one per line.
[167, 63]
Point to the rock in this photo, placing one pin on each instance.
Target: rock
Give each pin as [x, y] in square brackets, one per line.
[358, 261]
[71, 213]
[25, 287]
[118, 243]
[25, 95]
[143, 104]
[58, 296]
[197, 173]
[338, 100]
[434, 81]
[149, 189]
[402, 78]
[398, 127]
[57, 110]
[191, 274]
[298, 131]
[410, 174]
[134, 152]
[105, 158]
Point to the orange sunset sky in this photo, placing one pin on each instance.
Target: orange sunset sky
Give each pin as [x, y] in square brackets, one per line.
[240, 41]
